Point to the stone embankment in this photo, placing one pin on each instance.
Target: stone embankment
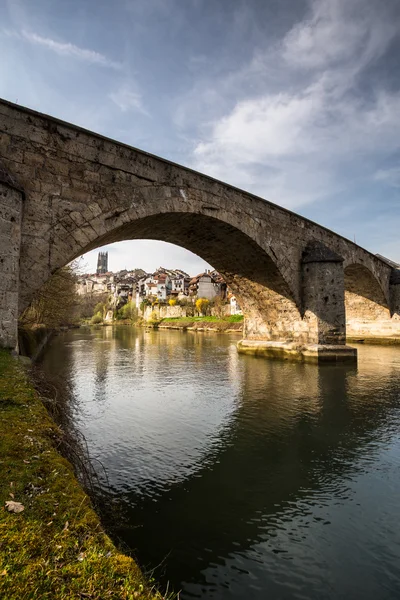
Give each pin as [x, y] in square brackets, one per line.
[52, 544]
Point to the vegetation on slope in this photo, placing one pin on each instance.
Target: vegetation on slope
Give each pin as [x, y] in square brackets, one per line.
[55, 548]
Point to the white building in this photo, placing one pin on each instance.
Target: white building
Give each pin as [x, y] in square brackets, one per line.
[235, 308]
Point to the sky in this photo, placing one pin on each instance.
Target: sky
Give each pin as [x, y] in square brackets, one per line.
[297, 101]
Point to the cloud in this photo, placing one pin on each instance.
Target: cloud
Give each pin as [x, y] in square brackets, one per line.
[290, 148]
[127, 99]
[337, 32]
[390, 176]
[65, 49]
[292, 145]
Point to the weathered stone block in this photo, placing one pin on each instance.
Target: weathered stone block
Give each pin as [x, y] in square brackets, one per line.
[10, 230]
[323, 295]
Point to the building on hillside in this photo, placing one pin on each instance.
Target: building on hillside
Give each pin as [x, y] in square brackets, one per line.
[220, 282]
[147, 288]
[179, 284]
[102, 263]
[93, 284]
[120, 286]
[122, 293]
[207, 285]
[162, 285]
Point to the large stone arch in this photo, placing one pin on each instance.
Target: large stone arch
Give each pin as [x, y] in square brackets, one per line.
[270, 308]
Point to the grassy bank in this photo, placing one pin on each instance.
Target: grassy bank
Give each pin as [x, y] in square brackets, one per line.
[55, 548]
[233, 323]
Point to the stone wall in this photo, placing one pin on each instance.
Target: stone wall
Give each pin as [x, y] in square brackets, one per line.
[224, 311]
[164, 311]
[11, 201]
[177, 311]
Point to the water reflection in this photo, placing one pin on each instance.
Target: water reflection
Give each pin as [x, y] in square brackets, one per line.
[254, 478]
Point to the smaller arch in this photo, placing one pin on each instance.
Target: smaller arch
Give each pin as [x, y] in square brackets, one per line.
[367, 310]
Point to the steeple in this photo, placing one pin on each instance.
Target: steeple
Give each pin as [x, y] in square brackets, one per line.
[102, 263]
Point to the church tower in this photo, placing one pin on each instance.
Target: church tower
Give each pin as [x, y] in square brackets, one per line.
[102, 263]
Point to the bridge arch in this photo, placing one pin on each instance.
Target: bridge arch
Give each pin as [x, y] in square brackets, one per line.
[265, 296]
[367, 308]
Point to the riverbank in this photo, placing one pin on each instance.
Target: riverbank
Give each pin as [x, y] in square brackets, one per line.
[233, 324]
[52, 544]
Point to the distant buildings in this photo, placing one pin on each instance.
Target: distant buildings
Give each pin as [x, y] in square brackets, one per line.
[207, 285]
[161, 286]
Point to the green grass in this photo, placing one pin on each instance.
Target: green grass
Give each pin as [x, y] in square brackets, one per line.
[235, 318]
[231, 319]
[56, 548]
[201, 323]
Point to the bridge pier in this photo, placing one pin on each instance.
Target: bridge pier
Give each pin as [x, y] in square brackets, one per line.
[11, 200]
[323, 322]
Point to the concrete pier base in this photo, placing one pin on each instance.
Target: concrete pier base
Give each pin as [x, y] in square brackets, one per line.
[381, 341]
[310, 353]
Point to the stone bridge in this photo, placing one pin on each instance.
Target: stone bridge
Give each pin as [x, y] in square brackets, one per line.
[65, 190]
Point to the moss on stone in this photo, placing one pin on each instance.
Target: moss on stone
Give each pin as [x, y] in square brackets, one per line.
[56, 548]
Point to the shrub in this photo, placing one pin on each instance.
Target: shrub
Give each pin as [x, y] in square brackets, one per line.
[56, 302]
[143, 304]
[96, 319]
[219, 306]
[128, 311]
[99, 308]
[154, 319]
[87, 302]
[172, 301]
[202, 305]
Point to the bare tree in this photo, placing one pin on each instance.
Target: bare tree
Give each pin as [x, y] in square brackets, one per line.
[56, 302]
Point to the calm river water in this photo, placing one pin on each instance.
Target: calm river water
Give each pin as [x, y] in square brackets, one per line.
[238, 477]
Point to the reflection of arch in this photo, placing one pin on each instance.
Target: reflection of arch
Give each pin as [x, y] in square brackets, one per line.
[366, 305]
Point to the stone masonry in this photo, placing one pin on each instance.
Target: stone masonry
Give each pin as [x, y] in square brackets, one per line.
[82, 191]
[10, 240]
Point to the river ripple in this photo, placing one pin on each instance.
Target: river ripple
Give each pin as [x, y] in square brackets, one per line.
[241, 477]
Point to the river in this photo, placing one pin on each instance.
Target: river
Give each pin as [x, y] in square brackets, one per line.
[237, 477]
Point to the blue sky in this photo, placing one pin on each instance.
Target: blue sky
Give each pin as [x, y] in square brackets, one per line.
[296, 101]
